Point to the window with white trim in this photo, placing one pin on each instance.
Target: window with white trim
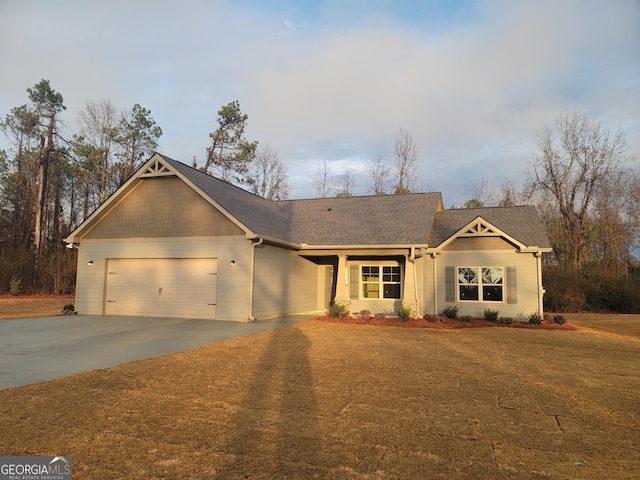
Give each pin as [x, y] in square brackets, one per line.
[480, 284]
[381, 281]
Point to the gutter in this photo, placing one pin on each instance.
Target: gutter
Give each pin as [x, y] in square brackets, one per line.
[252, 268]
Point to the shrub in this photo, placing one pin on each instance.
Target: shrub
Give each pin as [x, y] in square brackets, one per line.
[343, 315]
[14, 285]
[558, 319]
[335, 309]
[380, 316]
[466, 318]
[365, 314]
[491, 315]
[535, 318]
[404, 313]
[450, 311]
[506, 320]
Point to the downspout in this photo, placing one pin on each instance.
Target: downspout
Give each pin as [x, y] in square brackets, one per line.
[260, 241]
[435, 284]
[412, 259]
[538, 256]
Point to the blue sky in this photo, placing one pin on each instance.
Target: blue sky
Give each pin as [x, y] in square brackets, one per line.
[472, 81]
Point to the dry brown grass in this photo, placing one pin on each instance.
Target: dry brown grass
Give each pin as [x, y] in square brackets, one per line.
[327, 400]
[30, 306]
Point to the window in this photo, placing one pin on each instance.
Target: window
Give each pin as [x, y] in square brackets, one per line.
[377, 285]
[483, 284]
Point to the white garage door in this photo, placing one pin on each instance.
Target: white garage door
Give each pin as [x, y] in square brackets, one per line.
[183, 288]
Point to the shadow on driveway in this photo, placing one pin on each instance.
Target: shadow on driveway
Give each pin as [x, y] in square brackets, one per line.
[41, 349]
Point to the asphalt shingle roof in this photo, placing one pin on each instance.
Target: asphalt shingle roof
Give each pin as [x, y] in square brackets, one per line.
[372, 220]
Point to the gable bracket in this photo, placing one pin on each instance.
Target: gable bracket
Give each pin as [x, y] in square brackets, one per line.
[479, 229]
[156, 169]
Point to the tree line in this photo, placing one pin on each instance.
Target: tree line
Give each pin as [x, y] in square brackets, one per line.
[582, 178]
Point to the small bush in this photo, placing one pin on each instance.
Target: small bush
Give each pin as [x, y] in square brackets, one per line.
[365, 314]
[491, 315]
[559, 320]
[343, 315]
[466, 318]
[506, 320]
[450, 311]
[404, 313]
[14, 285]
[335, 309]
[380, 316]
[535, 318]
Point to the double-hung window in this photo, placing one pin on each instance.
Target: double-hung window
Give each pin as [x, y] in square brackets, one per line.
[484, 284]
[381, 281]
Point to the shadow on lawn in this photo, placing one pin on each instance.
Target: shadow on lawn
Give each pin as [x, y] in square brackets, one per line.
[275, 430]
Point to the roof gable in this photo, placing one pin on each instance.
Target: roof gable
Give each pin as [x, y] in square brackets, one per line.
[157, 166]
[479, 227]
[519, 225]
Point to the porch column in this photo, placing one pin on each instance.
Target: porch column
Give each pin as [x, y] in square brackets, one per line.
[342, 281]
[409, 297]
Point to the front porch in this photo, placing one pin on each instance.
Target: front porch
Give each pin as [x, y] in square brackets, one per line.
[381, 283]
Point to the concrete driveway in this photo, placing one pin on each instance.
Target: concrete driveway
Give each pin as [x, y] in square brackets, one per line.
[41, 349]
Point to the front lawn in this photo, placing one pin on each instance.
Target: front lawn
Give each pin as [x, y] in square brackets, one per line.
[331, 400]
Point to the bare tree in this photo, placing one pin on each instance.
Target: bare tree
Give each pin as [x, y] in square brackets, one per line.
[96, 125]
[486, 195]
[322, 180]
[379, 174]
[613, 229]
[267, 176]
[346, 183]
[633, 205]
[405, 155]
[574, 161]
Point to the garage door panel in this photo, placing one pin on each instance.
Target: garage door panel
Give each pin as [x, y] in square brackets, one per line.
[162, 287]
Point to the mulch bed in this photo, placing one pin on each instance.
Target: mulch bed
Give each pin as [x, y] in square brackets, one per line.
[439, 323]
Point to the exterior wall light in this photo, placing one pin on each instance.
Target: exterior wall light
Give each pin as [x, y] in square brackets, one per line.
[90, 263]
[232, 263]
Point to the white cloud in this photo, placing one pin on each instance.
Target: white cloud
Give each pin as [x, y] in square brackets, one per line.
[473, 93]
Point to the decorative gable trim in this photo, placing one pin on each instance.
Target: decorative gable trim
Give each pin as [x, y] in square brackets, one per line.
[479, 227]
[156, 168]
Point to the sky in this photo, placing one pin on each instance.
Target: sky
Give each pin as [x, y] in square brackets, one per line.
[473, 82]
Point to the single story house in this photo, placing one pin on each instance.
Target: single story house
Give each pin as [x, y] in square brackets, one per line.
[176, 242]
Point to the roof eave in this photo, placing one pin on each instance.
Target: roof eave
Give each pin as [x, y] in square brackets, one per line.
[305, 246]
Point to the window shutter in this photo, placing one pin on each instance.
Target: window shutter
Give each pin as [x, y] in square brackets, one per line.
[353, 282]
[512, 285]
[450, 284]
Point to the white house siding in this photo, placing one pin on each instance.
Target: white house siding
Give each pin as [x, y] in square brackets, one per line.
[284, 283]
[527, 281]
[233, 281]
